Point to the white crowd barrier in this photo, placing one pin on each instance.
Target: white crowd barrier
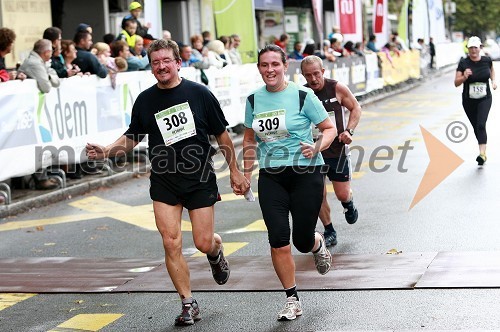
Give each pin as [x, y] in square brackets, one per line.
[39, 130]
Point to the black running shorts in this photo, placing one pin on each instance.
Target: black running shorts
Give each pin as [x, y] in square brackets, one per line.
[191, 193]
[339, 169]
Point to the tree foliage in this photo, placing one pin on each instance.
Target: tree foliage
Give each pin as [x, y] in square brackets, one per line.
[473, 17]
[477, 17]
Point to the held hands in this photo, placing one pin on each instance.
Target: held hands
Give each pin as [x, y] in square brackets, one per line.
[239, 183]
[345, 137]
[308, 150]
[94, 151]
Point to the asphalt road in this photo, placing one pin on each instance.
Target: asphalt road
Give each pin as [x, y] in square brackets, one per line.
[390, 157]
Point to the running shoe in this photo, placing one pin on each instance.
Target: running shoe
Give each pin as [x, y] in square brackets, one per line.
[220, 268]
[330, 238]
[190, 314]
[350, 212]
[292, 309]
[323, 258]
[481, 159]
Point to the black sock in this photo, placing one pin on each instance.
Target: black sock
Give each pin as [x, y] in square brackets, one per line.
[292, 291]
[329, 228]
[214, 258]
[319, 248]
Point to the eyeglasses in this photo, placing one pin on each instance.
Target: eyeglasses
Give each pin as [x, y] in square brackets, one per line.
[165, 62]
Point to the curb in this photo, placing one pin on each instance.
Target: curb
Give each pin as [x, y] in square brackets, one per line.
[86, 187]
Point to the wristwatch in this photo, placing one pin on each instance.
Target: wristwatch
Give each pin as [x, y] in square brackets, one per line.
[350, 131]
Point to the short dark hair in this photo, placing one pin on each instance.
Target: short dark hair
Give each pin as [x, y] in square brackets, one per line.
[161, 44]
[80, 35]
[272, 48]
[52, 33]
[116, 47]
[7, 37]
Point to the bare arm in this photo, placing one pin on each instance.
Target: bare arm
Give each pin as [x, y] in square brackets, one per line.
[492, 77]
[239, 184]
[460, 77]
[347, 99]
[120, 147]
[249, 152]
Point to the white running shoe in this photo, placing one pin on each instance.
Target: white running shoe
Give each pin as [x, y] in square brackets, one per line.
[292, 309]
[323, 258]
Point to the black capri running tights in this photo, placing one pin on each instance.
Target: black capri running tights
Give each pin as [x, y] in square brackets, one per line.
[287, 190]
[477, 111]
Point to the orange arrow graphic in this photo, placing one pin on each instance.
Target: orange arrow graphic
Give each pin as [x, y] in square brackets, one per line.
[442, 163]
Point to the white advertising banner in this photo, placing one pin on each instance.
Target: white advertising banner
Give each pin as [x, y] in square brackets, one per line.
[437, 28]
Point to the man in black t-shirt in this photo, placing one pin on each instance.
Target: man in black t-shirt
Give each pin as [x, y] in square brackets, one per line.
[178, 115]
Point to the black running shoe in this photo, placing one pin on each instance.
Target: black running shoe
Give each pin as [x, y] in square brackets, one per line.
[330, 238]
[220, 268]
[190, 314]
[350, 212]
[481, 159]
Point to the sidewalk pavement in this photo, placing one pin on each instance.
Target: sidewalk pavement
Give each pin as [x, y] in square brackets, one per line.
[27, 199]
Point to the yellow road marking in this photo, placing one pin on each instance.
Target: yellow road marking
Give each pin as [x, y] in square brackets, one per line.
[229, 248]
[9, 299]
[12, 225]
[86, 322]
[256, 226]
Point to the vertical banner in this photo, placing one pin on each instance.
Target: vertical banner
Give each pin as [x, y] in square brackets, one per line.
[318, 17]
[237, 17]
[348, 15]
[152, 14]
[403, 22]
[436, 21]
[380, 22]
[420, 22]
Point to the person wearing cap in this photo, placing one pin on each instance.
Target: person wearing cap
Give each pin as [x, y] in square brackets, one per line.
[475, 73]
[135, 9]
[84, 27]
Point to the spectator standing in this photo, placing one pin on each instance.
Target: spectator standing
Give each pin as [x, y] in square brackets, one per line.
[135, 9]
[7, 38]
[234, 54]
[226, 40]
[372, 44]
[37, 66]
[128, 33]
[68, 53]
[215, 49]
[432, 52]
[138, 49]
[336, 34]
[54, 35]
[283, 42]
[296, 54]
[186, 53]
[85, 60]
[166, 35]
[207, 37]
[119, 48]
[199, 52]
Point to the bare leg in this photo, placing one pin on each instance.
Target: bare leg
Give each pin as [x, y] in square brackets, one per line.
[168, 222]
[284, 265]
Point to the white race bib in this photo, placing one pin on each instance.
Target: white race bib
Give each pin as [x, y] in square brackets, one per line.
[477, 90]
[316, 131]
[270, 126]
[176, 123]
